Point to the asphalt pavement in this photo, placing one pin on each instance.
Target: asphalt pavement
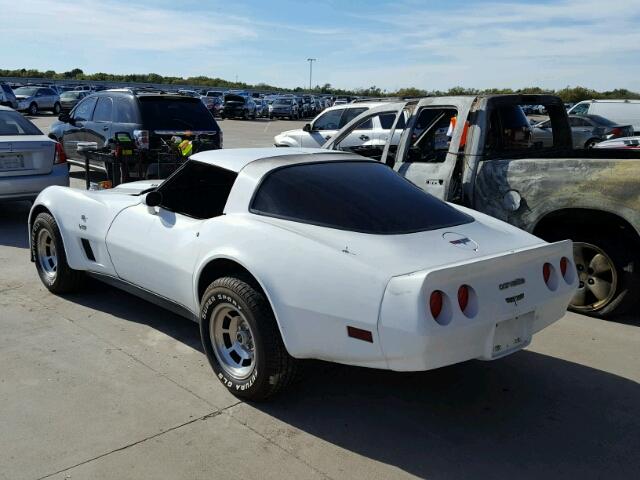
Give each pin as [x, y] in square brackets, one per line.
[103, 385]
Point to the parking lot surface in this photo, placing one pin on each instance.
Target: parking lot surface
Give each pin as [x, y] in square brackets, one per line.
[103, 385]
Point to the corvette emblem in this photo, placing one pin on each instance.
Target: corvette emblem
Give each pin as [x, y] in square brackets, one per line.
[460, 241]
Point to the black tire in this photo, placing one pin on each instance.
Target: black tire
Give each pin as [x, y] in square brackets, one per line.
[33, 109]
[592, 142]
[620, 248]
[274, 369]
[64, 279]
[56, 108]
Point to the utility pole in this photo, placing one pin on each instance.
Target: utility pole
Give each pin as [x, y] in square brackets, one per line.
[311, 60]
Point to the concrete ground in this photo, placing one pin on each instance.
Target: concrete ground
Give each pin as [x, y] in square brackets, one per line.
[102, 385]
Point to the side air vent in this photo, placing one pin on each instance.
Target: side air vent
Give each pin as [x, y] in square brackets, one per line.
[87, 250]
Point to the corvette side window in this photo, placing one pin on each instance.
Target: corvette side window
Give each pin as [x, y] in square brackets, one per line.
[197, 190]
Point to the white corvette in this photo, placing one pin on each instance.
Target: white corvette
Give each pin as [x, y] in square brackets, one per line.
[287, 254]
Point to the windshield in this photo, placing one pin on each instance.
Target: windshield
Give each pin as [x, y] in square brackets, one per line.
[170, 113]
[358, 196]
[282, 102]
[12, 123]
[26, 91]
[234, 98]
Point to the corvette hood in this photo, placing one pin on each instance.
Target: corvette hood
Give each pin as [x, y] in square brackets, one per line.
[392, 255]
[134, 188]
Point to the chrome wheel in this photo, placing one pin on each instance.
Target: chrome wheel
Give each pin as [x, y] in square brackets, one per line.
[597, 275]
[232, 341]
[46, 253]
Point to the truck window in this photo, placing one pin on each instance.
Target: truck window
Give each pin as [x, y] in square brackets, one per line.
[510, 130]
[431, 135]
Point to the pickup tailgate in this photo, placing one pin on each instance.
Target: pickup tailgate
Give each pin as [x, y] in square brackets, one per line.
[509, 301]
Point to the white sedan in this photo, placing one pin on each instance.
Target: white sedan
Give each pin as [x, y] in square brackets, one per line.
[282, 255]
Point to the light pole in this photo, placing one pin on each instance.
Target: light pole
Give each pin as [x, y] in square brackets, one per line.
[311, 60]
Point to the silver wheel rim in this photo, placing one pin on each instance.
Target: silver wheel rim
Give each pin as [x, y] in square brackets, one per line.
[47, 255]
[233, 341]
[597, 277]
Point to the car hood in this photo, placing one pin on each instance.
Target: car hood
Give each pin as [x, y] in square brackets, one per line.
[23, 97]
[291, 133]
[393, 255]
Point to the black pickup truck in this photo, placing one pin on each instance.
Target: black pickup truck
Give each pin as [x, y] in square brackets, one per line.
[479, 151]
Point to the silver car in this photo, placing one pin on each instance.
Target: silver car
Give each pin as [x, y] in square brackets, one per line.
[587, 131]
[29, 160]
[35, 99]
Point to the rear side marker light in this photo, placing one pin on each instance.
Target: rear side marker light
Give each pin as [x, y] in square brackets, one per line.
[436, 303]
[546, 272]
[359, 334]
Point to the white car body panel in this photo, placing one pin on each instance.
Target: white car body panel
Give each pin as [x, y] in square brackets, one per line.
[320, 280]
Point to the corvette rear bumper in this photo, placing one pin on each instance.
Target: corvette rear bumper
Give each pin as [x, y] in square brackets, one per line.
[412, 339]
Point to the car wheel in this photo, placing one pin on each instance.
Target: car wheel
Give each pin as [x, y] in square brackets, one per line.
[33, 109]
[245, 114]
[608, 272]
[242, 340]
[56, 109]
[591, 143]
[50, 257]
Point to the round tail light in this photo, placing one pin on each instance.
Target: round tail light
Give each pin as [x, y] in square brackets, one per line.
[436, 303]
[564, 265]
[546, 272]
[463, 297]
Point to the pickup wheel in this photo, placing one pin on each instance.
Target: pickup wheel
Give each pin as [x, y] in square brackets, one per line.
[608, 273]
[242, 341]
[50, 257]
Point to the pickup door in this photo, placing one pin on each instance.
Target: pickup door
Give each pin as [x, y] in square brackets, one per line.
[433, 144]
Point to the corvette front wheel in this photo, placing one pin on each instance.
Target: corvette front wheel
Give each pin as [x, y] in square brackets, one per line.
[241, 339]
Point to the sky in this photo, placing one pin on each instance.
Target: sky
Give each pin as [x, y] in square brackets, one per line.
[358, 44]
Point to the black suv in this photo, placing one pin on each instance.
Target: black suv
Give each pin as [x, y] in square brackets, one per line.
[238, 106]
[150, 118]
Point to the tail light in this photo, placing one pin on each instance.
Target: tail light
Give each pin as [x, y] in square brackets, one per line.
[546, 272]
[59, 156]
[436, 302]
[616, 132]
[564, 265]
[141, 137]
[463, 297]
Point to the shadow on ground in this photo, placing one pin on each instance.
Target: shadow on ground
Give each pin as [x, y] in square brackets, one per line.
[13, 224]
[526, 416]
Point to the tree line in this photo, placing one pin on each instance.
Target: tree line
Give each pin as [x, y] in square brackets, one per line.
[568, 94]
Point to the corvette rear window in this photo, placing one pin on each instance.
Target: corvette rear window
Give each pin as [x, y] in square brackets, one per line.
[365, 197]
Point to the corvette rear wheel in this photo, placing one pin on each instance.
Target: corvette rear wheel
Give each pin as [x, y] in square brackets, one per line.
[241, 339]
[50, 257]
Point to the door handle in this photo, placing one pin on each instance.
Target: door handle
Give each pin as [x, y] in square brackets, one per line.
[327, 137]
[105, 128]
[363, 138]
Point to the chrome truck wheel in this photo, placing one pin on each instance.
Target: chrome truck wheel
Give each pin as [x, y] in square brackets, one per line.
[46, 254]
[597, 275]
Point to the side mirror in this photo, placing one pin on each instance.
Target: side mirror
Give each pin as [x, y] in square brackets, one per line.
[307, 127]
[153, 199]
[64, 117]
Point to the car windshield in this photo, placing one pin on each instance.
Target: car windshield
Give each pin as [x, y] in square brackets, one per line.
[282, 102]
[358, 196]
[170, 113]
[71, 95]
[12, 123]
[26, 91]
[601, 120]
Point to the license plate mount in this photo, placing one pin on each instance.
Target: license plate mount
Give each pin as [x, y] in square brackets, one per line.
[11, 162]
[511, 335]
